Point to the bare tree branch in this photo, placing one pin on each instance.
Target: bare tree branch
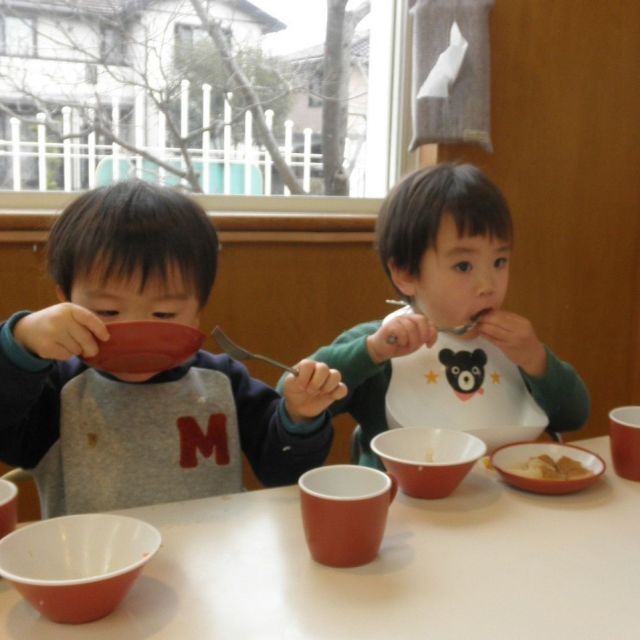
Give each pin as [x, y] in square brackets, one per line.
[341, 25]
[252, 101]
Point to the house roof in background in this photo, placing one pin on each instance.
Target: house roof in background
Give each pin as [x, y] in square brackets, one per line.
[267, 19]
[110, 7]
[102, 7]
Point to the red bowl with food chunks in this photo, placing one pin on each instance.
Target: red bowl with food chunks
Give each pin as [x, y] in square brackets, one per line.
[547, 467]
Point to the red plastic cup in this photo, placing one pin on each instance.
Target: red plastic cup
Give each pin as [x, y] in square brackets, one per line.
[8, 507]
[344, 513]
[624, 432]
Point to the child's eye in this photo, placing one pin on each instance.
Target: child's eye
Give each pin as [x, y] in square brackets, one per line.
[500, 263]
[106, 313]
[161, 315]
[463, 267]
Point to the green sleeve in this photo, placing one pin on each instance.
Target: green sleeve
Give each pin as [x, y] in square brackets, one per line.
[561, 394]
[348, 353]
[366, 381]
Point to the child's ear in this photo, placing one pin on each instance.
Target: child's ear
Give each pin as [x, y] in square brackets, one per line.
[403, 280]
[60, 294]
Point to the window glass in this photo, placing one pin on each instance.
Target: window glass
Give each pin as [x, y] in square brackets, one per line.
[114, 44]
[18, 36]
[224, 98]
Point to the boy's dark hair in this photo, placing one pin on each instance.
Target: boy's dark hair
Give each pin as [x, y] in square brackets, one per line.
[411, 214]
[134, 225]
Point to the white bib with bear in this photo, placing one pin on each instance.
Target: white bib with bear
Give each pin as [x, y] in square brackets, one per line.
[469, 385]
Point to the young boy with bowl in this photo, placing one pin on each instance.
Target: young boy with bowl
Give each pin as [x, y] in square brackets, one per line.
[444, 237]
[97, 441]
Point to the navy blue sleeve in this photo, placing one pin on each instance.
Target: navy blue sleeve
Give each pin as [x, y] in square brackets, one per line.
[29, 413]
[276, 455]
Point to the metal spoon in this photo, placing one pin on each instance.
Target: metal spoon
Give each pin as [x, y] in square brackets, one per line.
[460, 330]
[238, 353]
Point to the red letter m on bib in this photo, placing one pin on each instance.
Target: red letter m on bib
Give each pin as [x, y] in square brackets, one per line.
[192, 439]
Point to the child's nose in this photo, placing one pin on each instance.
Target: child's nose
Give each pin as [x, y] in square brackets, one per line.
[486, 284]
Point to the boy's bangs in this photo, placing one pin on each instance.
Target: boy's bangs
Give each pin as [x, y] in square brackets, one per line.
[489, 222]
[135, 230]
[140, 266]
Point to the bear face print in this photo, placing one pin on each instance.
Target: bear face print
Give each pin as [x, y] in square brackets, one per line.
[465, 370]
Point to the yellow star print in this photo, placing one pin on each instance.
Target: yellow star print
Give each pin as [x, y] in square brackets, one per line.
[495, 377]
[432, 377]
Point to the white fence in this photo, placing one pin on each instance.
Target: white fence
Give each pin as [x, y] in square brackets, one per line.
[76, 162]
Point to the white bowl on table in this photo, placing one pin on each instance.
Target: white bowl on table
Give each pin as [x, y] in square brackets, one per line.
[77, 568]
[428, 463]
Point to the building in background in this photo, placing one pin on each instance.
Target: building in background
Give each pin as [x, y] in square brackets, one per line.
[103, 54]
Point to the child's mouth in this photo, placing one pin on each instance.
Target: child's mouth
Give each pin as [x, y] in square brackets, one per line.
[476, 316]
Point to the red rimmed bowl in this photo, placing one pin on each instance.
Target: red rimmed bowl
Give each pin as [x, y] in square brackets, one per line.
[76, 569]
[146, 346]
[428, 463]
[509, 459]
[8, 507]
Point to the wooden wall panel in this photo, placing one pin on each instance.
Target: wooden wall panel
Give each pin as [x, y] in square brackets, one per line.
[565, 110]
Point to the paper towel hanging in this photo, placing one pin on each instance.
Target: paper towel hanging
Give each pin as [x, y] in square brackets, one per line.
[451, 72]
[446, 69]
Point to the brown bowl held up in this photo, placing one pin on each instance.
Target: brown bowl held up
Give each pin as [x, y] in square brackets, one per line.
[428, 463]
[146, 346]
[78, 568]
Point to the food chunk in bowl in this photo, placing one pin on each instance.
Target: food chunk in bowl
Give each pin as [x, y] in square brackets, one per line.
[546, 467]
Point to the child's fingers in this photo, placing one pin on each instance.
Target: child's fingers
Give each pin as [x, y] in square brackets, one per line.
[428, 331]
[320, 377]
[80, 341]
[58, 351]
[328, 379]
[411, 330]
[91, 321]
[305, 370]
[339, 392]
[399, 333]
[316, 377]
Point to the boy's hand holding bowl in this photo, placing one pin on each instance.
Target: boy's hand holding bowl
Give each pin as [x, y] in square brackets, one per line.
[61, 331]
[66, 329]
